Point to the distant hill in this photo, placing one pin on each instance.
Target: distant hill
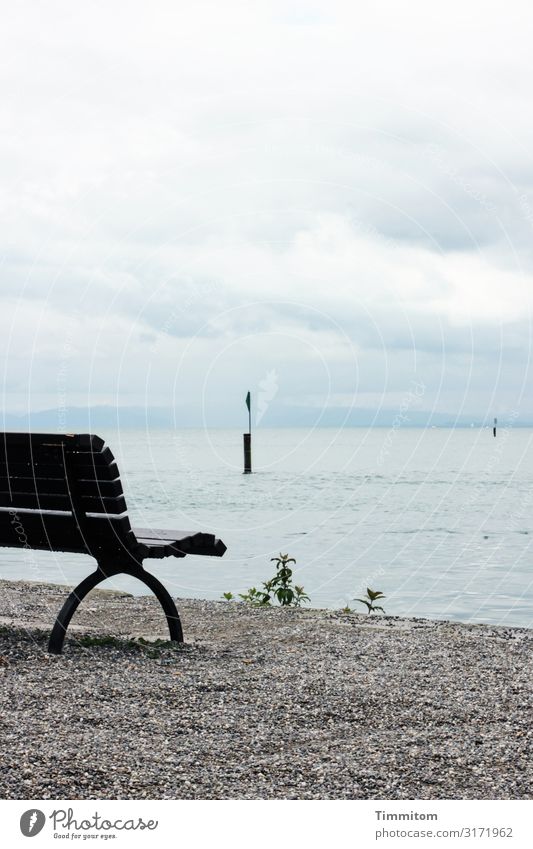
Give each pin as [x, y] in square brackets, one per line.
[91, 418]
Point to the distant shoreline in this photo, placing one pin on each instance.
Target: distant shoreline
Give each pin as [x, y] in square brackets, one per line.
[279, 416]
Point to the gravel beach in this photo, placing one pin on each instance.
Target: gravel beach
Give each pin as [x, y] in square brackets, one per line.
[258, 703]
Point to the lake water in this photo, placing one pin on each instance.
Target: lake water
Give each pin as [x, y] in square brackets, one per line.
[439, 520]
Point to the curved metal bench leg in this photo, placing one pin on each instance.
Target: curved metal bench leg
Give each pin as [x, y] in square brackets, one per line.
[55, 644]
[166, 601]
[57, 637]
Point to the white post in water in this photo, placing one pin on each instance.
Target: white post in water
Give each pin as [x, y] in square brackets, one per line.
[247, 440]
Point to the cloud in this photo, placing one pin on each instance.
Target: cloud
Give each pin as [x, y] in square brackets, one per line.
[341, 195]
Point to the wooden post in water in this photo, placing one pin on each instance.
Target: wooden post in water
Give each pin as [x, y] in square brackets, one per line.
[247, 441]
[494, 428]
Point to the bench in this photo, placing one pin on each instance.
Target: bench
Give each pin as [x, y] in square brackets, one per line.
[63, 493]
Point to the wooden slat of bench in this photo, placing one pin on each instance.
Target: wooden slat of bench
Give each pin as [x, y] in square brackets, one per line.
[59, 486]
[49, 501]
[44, 486]
[53, 455]
[103, 489]
[13, 459]
[158, 548]
[25, 454]
[190, 542]
[154, 533]
[83, 471]
[105, 536]
[71, 441]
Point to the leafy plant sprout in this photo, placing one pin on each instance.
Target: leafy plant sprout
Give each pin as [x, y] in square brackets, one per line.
[371, 597]
[280, 587]
[281, 584]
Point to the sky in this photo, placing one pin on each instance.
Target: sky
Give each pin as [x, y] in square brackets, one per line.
[329, 204]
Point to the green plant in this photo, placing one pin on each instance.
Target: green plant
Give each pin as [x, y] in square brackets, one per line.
[228, 596]
[371, 597]
[254, 596]
[279, 587]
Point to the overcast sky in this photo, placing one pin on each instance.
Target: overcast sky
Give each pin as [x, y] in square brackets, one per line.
[325, 203]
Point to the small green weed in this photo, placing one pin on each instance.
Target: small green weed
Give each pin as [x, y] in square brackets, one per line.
[371, 597]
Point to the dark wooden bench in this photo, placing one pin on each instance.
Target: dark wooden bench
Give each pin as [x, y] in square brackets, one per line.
[63, 493]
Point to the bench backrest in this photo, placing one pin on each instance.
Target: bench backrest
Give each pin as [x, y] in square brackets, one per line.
[62, 493]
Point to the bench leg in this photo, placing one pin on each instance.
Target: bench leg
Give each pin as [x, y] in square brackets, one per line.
[57, 637]
[166, 601]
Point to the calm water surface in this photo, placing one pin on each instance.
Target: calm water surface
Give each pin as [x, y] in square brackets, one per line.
[439, 520]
